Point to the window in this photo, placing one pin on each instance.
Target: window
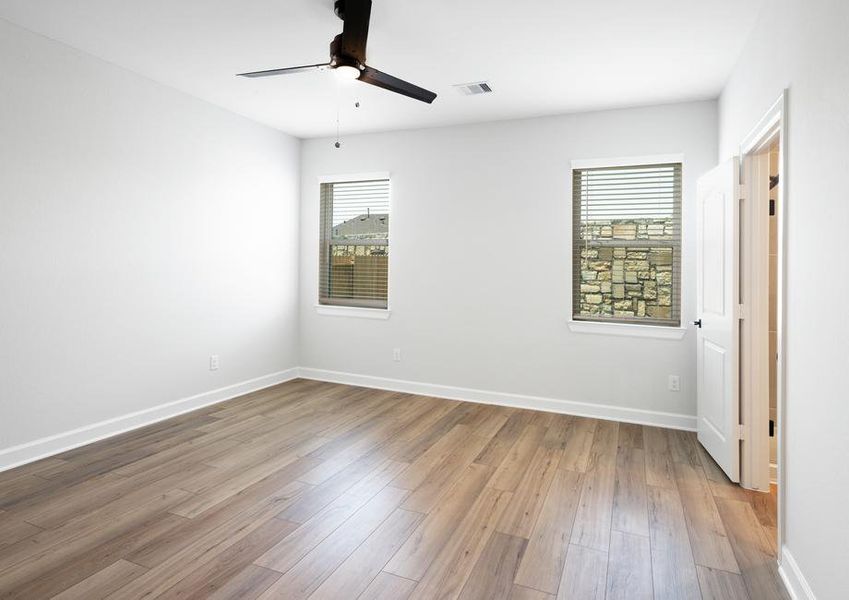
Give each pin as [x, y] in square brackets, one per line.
[354, 254]
[626, 251]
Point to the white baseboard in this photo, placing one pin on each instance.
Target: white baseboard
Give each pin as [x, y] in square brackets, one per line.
[68, 440]
[569, 407]
[794, 580]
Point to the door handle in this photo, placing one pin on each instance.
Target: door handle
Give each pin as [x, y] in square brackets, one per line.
[698, 323]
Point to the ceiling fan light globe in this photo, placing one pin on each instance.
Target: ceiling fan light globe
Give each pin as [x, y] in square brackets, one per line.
[347, 72]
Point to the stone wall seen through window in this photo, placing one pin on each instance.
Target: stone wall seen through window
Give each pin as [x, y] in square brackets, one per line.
[622, 280]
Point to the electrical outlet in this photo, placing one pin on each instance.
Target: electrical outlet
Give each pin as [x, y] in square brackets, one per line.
[396, 354]
[213, 362]
[674, 383]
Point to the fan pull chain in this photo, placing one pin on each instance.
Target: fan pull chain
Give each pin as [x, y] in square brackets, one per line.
[338, 144]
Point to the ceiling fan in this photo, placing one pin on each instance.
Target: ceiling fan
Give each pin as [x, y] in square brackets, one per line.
[348, 54]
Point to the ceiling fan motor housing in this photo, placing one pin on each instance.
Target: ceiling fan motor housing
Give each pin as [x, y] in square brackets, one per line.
[337, 58]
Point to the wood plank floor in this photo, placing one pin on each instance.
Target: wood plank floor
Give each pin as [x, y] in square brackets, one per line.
[322, 491]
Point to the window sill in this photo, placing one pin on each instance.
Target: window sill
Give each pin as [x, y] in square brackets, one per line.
[353, 311]
[628, 329]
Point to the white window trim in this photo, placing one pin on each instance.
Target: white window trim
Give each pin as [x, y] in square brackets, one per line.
[627, 161]
[659, 332]
[331, 310]
[643, 330]
[346, 177]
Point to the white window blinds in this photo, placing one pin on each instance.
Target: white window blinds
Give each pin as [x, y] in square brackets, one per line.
[354, 253]
[627, 244]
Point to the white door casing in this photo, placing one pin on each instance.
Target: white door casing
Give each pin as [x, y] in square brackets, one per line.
[717, 302]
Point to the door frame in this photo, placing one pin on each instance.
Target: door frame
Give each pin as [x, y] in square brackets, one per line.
[754, 388]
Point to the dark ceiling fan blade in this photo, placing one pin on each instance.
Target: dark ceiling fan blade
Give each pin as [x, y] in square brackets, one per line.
[393, 84]
[355, 31]
[286, 71]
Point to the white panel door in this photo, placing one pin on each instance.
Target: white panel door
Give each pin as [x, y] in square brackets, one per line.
[718, 325]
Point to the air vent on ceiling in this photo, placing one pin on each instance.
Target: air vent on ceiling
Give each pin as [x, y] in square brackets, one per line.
[471, 89]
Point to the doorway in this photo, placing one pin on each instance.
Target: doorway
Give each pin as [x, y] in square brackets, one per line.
[774, 207]
[762, 287]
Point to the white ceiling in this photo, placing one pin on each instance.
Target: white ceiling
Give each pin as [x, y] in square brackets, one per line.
[540, 56]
